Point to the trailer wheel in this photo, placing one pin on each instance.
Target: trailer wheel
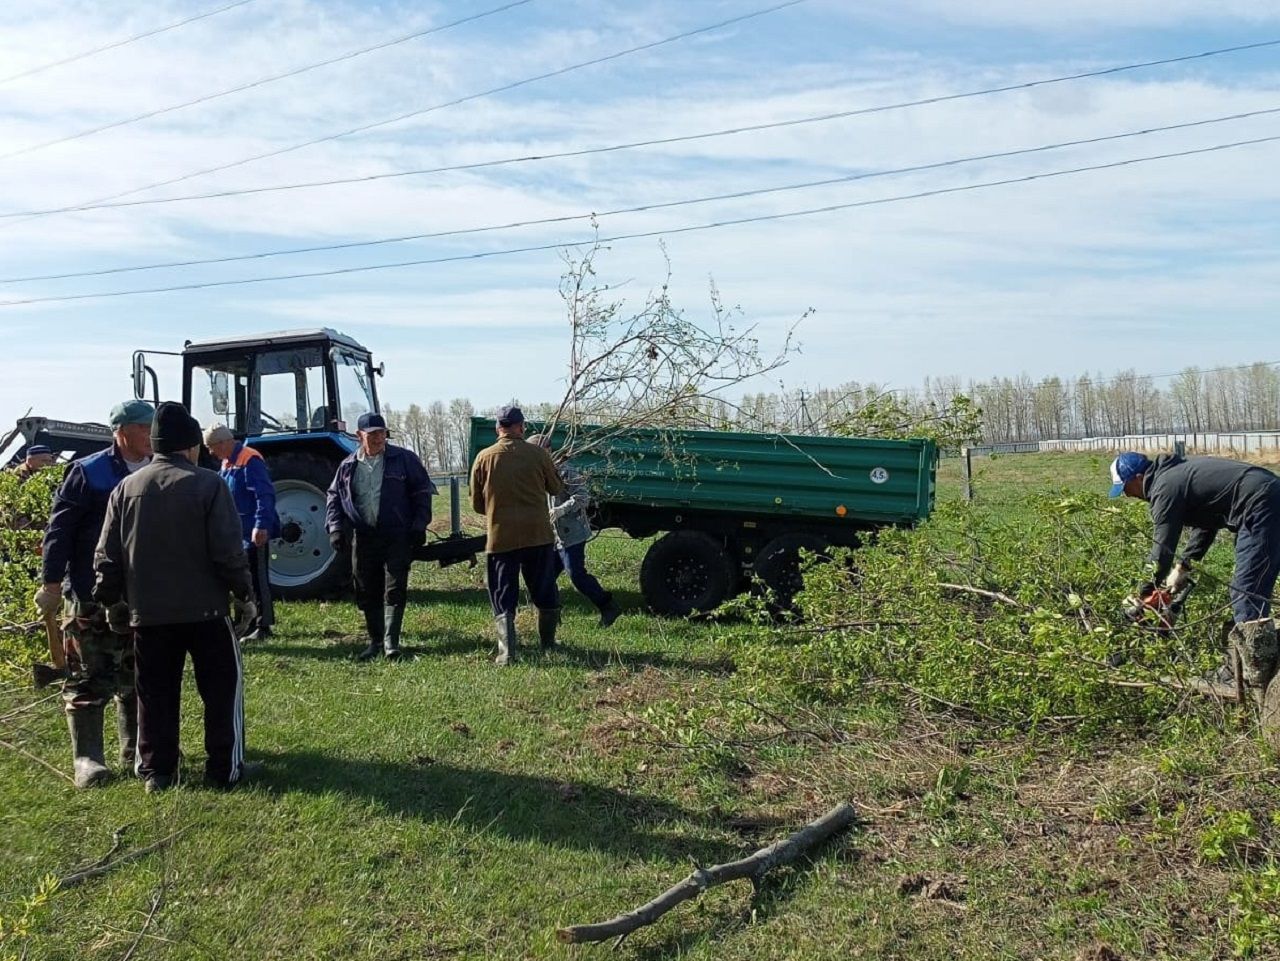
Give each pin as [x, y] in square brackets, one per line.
[778, 564]
[685, 572]
[303, 563]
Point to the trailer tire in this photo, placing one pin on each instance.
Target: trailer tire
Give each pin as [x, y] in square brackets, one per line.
[685, 572]
[304, 565]
[778, 564]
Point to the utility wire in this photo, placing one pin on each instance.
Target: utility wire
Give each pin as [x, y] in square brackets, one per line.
[350, 55]
[691, 228]
[120, 43]
[459, 100]
[107, 203]
[736, 195]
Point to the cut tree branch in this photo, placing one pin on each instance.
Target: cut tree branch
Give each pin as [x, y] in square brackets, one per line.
[754, 867]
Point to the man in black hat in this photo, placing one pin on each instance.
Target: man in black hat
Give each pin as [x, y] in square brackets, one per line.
[510, 482]
[170, 554]
[379, 505]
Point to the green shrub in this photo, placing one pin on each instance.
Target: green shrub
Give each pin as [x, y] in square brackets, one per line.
[24, 512]
[1255, 924]
[881, 622]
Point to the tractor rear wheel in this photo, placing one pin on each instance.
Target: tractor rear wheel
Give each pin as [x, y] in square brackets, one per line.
[303, 563]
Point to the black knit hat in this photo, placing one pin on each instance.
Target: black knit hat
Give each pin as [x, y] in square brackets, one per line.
[173, 429]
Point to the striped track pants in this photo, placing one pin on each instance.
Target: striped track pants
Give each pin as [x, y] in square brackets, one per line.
[161, 651]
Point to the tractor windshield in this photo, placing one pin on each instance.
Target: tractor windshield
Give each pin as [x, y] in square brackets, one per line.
[355, 387]
[290, 395]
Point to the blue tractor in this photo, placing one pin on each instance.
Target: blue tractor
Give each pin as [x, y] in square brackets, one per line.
[295, 396]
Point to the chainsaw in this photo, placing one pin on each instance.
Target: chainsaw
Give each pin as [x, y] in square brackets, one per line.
[1156, 607]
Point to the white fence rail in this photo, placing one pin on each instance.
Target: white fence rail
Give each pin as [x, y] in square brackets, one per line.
[1237, 442]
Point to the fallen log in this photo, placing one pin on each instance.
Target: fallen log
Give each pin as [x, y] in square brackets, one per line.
[753, 867]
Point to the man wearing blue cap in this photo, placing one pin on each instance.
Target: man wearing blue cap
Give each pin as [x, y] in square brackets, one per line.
[1203, 495]
[379, 505]
[510, 483]
[99, 659]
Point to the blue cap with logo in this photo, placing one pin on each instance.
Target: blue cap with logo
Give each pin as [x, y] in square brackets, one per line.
[510, 415]
[1125, 468]
[371, 422]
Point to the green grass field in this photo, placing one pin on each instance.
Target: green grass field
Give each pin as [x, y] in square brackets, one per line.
[440, 807]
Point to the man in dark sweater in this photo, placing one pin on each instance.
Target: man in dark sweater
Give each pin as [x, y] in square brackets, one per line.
[1203, 495]
[379, 506]
[169, 556]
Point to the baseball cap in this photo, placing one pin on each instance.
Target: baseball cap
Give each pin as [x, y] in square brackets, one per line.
[1125, 468]
[510, 415]
[371, 421]
[131, 412]
[37, 449]
[217, 434]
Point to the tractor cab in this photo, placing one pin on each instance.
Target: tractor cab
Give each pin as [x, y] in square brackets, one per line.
[288, 384]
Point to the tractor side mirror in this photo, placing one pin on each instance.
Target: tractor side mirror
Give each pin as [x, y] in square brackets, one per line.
[139, 375]
[220, 391]
[381, 370]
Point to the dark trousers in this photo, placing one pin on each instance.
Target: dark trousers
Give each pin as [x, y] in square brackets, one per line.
[260, 574]
[538, 567]
[1257, 558]
[161, 652]
[574, 560]
[381, 565]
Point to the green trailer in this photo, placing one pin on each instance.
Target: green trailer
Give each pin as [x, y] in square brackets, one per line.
[735, 507]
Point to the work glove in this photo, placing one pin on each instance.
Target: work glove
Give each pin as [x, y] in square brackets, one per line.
[244, 613]
[1178, 578]
[118, 618]
[48, 599]
[560, 510]
[417, 538]
[338, 539]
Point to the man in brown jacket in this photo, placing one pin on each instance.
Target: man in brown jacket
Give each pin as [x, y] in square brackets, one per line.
[510, 482]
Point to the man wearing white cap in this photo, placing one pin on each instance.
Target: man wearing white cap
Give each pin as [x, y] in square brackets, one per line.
[245, 472]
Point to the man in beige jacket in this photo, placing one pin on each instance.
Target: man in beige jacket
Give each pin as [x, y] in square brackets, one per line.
[510, 482]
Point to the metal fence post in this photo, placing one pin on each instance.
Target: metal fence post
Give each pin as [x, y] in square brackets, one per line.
[455, 505]
[966, 463]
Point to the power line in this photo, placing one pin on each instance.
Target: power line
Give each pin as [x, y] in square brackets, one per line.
[363, 128]
[106, 203]
[120, 43]
[736, 195]
[350, 55]
[760, 218]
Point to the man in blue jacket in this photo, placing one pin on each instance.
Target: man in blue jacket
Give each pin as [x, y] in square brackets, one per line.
[99, 658]
[379, 505]
[246, 475]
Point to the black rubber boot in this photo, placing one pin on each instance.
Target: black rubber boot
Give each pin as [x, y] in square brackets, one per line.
[374, 625]
[610, 612]
[394, 618]
[548, 621]
[508, 644]
[86, 746]
[127, 728]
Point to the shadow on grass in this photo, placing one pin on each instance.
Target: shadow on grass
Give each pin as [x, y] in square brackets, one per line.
[519, 806]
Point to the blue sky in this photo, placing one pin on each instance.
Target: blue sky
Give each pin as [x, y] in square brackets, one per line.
[1155, 267]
